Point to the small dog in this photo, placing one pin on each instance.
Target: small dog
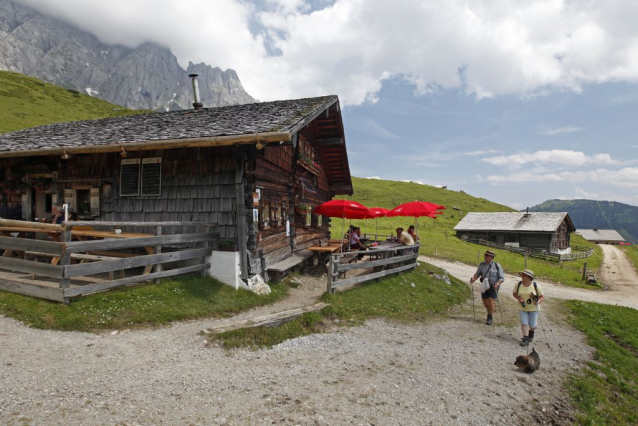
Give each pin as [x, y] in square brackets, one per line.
[529, 363]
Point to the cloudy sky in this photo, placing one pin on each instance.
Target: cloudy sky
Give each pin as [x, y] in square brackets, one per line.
[515, 101]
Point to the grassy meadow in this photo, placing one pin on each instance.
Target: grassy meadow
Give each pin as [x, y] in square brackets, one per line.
[606, 390]
[171, 300]
[28, 102]
[632, 254]
[437, 235]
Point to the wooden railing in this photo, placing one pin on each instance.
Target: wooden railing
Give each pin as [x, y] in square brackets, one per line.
[391, 261]
[63, 277]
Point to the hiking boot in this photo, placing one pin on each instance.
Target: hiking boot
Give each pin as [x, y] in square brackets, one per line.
[524, 341]
[530, 338]
[489, 320]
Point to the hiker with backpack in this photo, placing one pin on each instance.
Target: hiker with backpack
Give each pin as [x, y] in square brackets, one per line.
[491, 276]
[529, 294]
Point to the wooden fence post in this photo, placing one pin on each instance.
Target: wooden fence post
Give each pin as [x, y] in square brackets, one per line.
[157, 250]
[330, 269]
[65, 260]
[584, 270]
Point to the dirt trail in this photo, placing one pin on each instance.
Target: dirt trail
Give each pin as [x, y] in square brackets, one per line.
[623, 295]
[616, 271]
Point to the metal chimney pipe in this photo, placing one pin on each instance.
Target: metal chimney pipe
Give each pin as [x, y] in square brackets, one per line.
[197, 104]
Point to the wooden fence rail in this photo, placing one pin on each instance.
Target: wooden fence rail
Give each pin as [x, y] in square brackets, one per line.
[46, 269]
[392, 260]
[578, 252]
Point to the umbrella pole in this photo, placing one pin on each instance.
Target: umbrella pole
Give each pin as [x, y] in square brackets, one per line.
[376, 232]
[343, 224]
[349, 229]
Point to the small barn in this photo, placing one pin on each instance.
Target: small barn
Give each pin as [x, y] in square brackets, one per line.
[535, 230]
[255, 171]
[601, 236]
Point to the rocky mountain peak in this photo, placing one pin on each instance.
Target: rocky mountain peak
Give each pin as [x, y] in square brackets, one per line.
[146, 77]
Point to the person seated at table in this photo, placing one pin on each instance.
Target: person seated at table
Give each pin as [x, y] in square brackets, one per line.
[404, 238]
[58, 214]
[355, 241]
[413, 234]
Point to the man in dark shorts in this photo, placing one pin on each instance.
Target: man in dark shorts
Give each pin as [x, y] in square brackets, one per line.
[492, 277]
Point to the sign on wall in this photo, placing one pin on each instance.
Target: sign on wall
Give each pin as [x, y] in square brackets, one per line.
[130, 177]
[95, 201]
[152, 176]
[69, 198]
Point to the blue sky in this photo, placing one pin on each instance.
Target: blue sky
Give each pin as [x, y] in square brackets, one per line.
[511, 100]
[446, 138]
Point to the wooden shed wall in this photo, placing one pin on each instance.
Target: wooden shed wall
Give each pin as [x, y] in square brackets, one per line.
[277, 174]
[198, 184]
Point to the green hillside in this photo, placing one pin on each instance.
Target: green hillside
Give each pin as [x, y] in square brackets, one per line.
[437, 235]
[589, 214]
[28, 102]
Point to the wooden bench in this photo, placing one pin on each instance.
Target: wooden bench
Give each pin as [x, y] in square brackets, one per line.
[280, 269]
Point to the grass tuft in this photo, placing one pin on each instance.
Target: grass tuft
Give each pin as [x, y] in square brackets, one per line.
[180, 299]
[606, 392]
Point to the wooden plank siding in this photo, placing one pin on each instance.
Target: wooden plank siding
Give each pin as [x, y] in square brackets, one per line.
[548, 241]
[277, 174]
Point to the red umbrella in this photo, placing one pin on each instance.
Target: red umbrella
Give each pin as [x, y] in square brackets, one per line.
[344, 209]
[414, 209]
[375, 213]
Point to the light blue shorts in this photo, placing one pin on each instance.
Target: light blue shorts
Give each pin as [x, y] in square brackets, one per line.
[528, 318]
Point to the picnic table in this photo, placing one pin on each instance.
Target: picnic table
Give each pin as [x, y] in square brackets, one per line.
[80, 234]
[322, 252]
[17, 232]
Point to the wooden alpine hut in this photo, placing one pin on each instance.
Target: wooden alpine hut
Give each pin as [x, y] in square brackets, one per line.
[256, 171]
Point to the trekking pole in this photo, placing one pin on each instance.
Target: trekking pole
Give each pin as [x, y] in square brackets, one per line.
[543, 317]
[498, 302]
[473, 307]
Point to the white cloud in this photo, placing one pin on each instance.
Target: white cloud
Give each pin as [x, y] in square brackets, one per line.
[349, 47]
[585, 194]
[626, 177]
[551, 157]
[554, 131]
[375, 129]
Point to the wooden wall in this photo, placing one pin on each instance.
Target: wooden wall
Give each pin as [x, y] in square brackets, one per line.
[213, 185]
[198, 184]
[277, 172]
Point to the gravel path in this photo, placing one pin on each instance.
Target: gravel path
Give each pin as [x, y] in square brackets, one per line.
[455, 371]
[623, 295]
[617, 271]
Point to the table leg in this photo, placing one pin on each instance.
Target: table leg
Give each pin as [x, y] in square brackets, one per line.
[149, 268]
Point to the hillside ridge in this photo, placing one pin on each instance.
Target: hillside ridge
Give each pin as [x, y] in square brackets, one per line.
[589, 214]
[28, 102]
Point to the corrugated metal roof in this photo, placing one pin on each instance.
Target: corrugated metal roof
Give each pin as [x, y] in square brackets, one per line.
[600, 235]
[512, 221]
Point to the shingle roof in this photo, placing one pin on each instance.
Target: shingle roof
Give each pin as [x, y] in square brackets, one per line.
[279, 116]
[512, 221]
[600, 235]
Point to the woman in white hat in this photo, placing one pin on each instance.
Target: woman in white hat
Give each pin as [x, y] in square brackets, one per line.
[529, 294]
